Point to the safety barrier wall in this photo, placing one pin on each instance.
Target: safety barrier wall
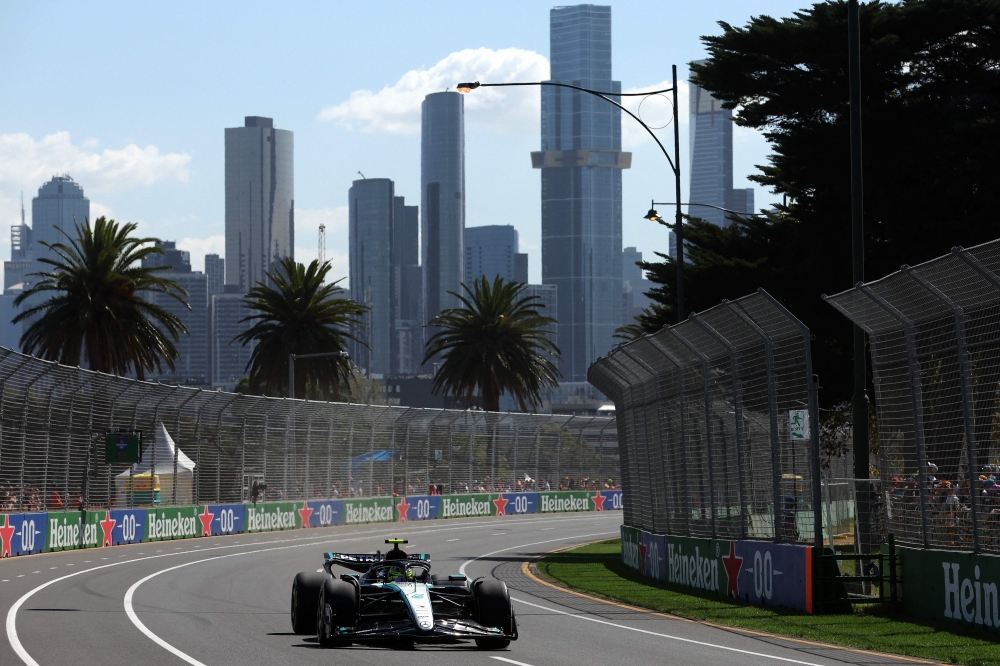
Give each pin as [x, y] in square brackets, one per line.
[716, 422]
[948, 586]
[757, 572]
[214, 447]
[28, 533]
[934, 335]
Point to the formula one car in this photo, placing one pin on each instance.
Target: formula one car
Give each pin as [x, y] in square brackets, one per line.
[394, 597]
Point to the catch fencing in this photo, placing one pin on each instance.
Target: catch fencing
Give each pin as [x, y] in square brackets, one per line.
[53, 421]
[934, 335]
[713, 425]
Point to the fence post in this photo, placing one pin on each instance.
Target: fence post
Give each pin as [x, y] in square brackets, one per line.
[450, 456]
[3, 392]
[813, 400]
[734, 371]
[24, 434]
[305, 486]
[406, 452]
[772, 408]
[177, 447]
[350, 454]
[658, 399]
[329, 460]
[709, 436]
[48, 445]
[88, 437]
[371, 457]
[538, 449]
[965, 379]
[218, 452]
[916, 399]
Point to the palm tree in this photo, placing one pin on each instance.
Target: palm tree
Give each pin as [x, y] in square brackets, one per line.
[96, 307]
[496, 343]
[299, 315]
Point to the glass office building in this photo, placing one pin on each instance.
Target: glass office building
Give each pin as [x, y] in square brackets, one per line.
[371, 204]
[491, 250]
[581, 162]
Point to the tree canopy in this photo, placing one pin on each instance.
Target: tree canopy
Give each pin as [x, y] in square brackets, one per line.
[930, 101]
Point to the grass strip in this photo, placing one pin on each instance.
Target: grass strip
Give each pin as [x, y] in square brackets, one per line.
[597, 569]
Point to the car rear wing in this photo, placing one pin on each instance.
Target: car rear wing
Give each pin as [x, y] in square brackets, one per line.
[363, 561]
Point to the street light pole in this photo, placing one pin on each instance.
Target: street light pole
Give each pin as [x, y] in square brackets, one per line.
[675, 163]
[291, 366]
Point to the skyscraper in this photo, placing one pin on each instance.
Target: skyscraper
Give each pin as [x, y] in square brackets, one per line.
[581, 162]
[634, 286]
[59, 205]
[442, 199]
[260, 200]
[228, 358]
[215, 269]
[711, 150]
[491, 251]
[521, 267]
[371, 204]
[408, 338]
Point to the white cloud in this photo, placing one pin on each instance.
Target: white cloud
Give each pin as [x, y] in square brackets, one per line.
[26, 163]
[396, 109]
[199, 247]
[655, 111]
[98, 210]
[307, 221]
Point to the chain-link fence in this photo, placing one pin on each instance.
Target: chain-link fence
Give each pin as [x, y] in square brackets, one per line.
[934, 334]
[53, 421]
[713, 425]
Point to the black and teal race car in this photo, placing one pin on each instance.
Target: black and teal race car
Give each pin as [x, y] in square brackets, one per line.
[395, 597]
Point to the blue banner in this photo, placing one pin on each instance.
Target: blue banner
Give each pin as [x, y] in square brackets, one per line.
[774, 574]
[123, 526]
[612, 500]
[22, 534]
[323, 513]
[653, 553]
[512, 504]
[419, 507]
[218, 519]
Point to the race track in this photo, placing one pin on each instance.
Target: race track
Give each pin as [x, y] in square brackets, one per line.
[224, 600]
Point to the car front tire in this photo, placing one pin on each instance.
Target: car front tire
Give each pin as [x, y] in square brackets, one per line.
[336, 607]
[305, 593]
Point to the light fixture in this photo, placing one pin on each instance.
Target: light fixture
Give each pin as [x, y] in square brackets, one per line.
[653, 216]
[467, 87]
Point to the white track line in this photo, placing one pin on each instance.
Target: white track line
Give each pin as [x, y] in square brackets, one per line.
[510, 661]
[671, 637]
[461, 570]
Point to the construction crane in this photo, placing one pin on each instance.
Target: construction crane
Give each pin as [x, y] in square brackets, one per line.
[321, 245]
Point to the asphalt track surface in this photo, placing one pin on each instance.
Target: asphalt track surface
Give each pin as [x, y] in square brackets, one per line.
[224, 600]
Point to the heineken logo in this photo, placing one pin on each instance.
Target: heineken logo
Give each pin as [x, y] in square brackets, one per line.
[159, 526]
[692, 570]
[471, 507]
[357, 513]
[969, 599]
[556, 504]
[265, 521]
[631, 556]
[63, 534]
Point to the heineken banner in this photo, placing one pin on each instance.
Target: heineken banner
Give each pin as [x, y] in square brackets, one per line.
[176, 522]
[271, 516]
[321, 513]
[466, 506]
[512, 504]
[123, 526]
[374, 510]
[67, 530]
[757, 572]
[419, 507]
[952, 587]
[218, 519]
[612, 501]
[22, 534]
[571, 500]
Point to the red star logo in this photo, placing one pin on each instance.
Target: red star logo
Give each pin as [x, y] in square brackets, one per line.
[642, 557]
[501, 505]
[305, 512]
[6, 534]
[206, 521]
[598, 500]
[733, 564]
[402, 507]
[108, 526]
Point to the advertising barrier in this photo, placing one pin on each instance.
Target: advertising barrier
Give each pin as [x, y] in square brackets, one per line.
[951, 587]
[27, 533]
[757, 572]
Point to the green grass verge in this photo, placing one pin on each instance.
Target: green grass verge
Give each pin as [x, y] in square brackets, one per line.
[597, 569]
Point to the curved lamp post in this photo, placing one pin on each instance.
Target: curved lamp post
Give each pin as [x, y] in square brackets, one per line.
[675, 164]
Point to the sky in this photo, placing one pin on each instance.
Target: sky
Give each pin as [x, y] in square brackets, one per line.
[131, 100]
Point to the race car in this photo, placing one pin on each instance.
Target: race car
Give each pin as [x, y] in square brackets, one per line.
[394, 597]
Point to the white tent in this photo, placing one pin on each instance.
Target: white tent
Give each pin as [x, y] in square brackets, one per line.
[165, 450]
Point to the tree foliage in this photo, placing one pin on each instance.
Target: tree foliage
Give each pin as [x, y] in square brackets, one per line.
[299, 314]
[496, 343]
[931, 97]
[96, 308]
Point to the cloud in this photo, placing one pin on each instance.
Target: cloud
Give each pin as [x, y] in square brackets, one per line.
[396, 109]
[98, 210]
[199, 247]
[655, 111]
[26, 163]
[307, 221]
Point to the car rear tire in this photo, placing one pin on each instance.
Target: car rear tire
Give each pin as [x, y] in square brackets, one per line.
[495, 610]
[305, 594]
[336, 607]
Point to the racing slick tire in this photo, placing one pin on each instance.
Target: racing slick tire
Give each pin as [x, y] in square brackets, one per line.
[305, 594]
[336, 607]
[495, 610]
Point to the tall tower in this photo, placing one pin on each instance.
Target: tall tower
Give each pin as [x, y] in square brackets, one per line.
[260, 200]
[370, 246]
[581, 162]
[442, 199]
[711, 150]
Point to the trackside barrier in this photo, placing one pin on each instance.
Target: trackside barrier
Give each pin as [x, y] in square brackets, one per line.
[757, 572]
[28, 533]
[950, 586]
